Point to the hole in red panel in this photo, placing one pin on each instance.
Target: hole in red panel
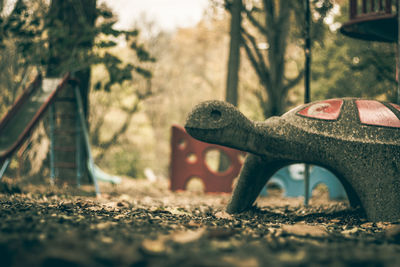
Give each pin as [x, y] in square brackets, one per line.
[191, 158]
[372, 112]
[195, 185]
[217, 160]
[324, 110]
[182, 144]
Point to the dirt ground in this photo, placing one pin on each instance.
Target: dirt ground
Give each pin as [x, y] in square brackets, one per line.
[139, 223]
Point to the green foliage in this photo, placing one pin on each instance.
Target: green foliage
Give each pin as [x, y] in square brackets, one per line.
[31, 25]
[16, 49]
[349, 67]
[142, 53]
[106, 44]
[117, 74]
[60, 36]
[118, 71]
[25, 27]
[125, 163]
[320, 10]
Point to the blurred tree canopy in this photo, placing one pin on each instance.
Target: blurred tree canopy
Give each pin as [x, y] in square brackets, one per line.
[349, 67]
[269, 28]
[273, 32]
[344, 67]
[59, 36]
[70, 36]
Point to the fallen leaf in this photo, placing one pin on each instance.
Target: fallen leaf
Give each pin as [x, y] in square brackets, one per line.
[194, 224]
[188, 236]
[223, 245]
[104, 225]
[238, 261]
[350, 231]
[177, 211]
[223, 215]
[383, 225]
[119, 216]
[94, 208]
[220, 233]
[292, 257]
[123, 203]
[302, 229]
[106, 239]
[367, 225]
[156, 246]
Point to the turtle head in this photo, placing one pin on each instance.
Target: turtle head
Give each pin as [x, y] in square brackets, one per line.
[220, 123]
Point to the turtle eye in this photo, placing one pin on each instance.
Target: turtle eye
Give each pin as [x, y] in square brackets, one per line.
[215, 114]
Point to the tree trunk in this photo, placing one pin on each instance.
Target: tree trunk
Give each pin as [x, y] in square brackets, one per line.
[234, 53]
[233, 67]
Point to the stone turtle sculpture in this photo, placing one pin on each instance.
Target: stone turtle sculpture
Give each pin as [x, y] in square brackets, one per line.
[358, 140]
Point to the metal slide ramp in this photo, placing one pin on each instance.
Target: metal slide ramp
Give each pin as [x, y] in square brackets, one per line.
[19, 121]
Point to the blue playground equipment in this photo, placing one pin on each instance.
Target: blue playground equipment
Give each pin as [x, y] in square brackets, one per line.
[291, 180]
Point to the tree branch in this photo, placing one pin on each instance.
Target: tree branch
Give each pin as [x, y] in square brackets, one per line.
[130, 112]
[292, 82]
[253, 61]
[256, 57]
[262, 102]
[106, 145]
[284, 12]
[255, 23]
[269, 10]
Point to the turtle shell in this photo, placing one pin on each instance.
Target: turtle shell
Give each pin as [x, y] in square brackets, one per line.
[349, 118]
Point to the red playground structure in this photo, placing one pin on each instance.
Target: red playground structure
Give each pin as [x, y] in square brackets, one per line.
[188, 160]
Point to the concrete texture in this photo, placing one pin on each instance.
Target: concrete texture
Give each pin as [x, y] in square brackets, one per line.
[357, 140]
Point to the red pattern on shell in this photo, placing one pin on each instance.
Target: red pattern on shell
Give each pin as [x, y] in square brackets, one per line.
[372, 112]
[323, 110]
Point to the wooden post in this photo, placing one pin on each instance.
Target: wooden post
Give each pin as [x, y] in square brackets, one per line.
[307, 72]
[353, 9]
[398, 54]
[364, 6]
[388, 6]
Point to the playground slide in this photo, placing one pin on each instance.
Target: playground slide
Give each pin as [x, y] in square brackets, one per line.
[94, 171]
[19, 121]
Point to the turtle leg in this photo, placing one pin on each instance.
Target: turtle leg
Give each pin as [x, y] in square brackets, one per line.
[254, 175]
